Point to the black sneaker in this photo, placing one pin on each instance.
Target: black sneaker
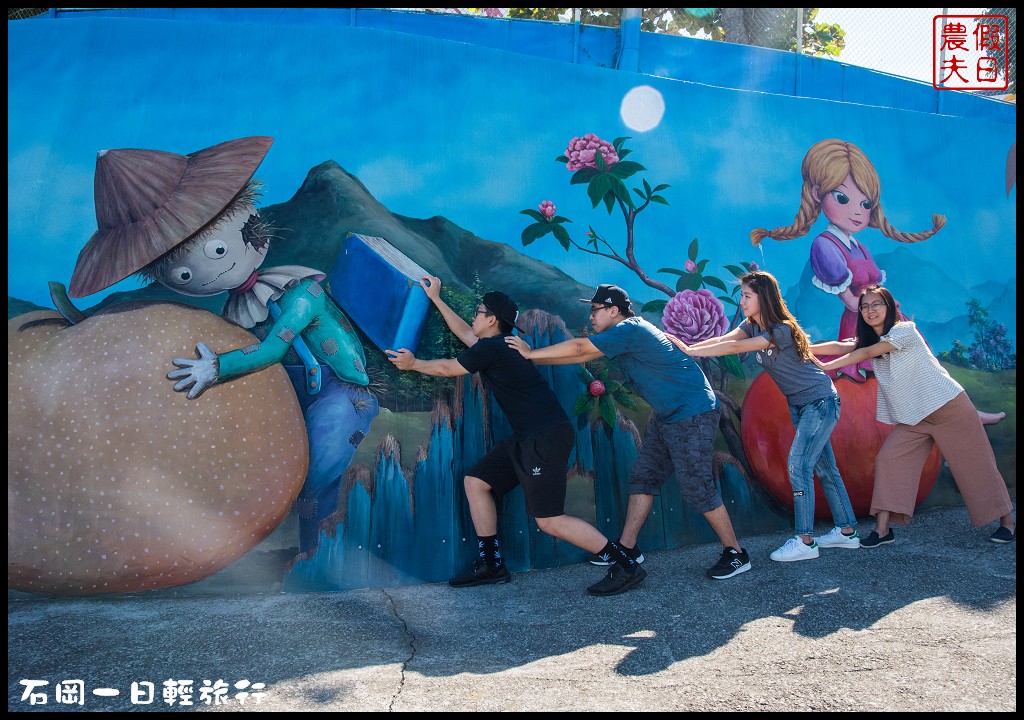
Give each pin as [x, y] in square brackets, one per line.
[605, 559]
[1003, 535]
[618, 580]
[481, 574]
[732, 562]
[873, 540]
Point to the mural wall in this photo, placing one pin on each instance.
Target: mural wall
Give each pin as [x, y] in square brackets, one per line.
[355, 159]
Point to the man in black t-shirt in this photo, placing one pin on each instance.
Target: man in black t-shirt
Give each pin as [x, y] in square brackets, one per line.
[535, 456]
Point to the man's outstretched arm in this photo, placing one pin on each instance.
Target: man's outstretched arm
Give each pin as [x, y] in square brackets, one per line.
[404, 360]
[567, 352]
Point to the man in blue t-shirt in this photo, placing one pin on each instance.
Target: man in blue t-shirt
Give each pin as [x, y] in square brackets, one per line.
[681, 435]
[535, 456]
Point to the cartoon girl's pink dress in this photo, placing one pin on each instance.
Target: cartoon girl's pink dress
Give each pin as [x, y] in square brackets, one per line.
[839, 263]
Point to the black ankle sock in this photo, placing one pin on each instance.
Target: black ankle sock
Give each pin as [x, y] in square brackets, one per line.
[490, 551]
[617, 554]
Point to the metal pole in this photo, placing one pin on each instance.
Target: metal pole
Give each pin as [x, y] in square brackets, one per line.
[942, 61]
[629, 29]
[799, 50]
[576, 35]
[799, 31]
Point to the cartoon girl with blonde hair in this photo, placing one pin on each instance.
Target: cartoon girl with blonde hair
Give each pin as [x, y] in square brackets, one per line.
[841, 182]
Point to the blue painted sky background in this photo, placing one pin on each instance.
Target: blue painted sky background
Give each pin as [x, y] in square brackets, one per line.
[445, 128]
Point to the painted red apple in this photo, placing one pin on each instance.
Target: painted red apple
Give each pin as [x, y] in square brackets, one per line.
[768, 432]
[596, 388]
[117, 483]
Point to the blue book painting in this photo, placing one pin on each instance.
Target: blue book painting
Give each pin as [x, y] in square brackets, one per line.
[378, 286]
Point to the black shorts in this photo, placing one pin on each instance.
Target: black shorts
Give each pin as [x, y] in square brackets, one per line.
[538, 462]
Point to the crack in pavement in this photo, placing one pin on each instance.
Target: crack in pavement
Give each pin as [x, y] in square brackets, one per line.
[410, 641]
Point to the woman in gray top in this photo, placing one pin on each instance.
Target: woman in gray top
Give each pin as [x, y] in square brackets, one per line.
[783, 350]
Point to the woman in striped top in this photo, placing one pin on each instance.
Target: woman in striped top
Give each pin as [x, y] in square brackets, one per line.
[927, 407]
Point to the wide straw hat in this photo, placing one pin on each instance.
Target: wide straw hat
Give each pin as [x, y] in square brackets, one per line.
[148, 202]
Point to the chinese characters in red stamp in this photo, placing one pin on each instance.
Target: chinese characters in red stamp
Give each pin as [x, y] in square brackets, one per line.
[970, 52]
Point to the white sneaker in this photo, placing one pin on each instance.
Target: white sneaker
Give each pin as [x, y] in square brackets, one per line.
[835, 538]
[794, 549]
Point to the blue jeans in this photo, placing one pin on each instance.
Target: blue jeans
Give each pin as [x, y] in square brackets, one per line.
[812, 455]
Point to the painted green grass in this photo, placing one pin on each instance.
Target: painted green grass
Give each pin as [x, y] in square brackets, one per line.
[995, 392]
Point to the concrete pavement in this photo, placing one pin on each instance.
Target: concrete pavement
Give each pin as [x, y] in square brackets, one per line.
[927, 623]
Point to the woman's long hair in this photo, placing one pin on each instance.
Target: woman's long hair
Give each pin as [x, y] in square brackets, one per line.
[774, 310]
[866, 336]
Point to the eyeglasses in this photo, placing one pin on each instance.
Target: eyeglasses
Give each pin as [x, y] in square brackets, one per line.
[872, 306]
[485, 311]
[595, 310]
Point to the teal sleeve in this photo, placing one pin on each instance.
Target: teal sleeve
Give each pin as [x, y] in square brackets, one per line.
[294, 319]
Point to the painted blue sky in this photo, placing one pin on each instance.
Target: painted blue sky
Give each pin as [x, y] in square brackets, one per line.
[445, 128]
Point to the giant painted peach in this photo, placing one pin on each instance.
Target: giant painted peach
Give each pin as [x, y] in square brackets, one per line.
[115, 482]
[768, 433]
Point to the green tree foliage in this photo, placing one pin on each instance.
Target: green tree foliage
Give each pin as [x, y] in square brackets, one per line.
[991, 350]
[764, 27]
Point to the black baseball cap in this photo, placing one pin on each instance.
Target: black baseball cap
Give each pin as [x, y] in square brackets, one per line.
[502, 307]
[611, 295]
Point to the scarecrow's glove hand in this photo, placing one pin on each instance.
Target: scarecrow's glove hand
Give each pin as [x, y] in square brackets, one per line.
[199, 374]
